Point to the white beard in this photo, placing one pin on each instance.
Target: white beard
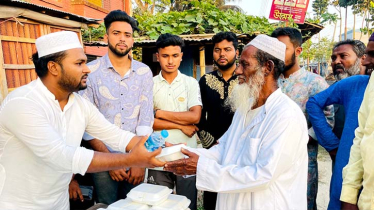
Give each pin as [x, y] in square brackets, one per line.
[353, 70]
[244, 96]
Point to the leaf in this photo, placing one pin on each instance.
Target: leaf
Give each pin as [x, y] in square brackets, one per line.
[216, 30]
[190, 18]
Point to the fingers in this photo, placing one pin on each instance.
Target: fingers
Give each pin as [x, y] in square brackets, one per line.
[79, 192]
[167, 144]
[156, 152]
[143, 139]
[187, 152]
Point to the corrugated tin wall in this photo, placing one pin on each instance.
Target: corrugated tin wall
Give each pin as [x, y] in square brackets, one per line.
[17, 41]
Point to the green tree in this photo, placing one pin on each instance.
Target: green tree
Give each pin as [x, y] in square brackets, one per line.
[346, 4]
[331, 19]
[319, 8]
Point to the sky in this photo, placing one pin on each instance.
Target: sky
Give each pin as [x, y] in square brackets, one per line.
[262, 8]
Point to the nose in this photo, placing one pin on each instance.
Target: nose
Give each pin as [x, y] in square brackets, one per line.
[170, 60]
[86, 70]
[239, 70]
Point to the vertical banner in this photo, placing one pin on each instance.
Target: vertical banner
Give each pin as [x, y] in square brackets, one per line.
[284, 9]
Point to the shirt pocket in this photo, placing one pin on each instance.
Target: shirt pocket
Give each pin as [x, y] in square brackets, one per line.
[250, 150]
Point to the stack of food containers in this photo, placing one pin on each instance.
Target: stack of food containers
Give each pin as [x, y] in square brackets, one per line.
[151, 197]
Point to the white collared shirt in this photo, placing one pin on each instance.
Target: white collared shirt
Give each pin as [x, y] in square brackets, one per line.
[260, 166]
[39, 146]
[179, 96]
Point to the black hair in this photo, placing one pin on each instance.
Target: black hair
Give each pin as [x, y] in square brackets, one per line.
[165, 40]
[357, 46]
[40, 64]
[229, 36]
[119, 15]
[293, 33]
[262, 57]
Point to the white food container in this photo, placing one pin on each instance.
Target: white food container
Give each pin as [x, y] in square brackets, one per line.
[174, 202]
[171, 153]
[127, 204]
[149, 194]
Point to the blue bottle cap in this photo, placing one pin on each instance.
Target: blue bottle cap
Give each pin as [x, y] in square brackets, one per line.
[164, 134]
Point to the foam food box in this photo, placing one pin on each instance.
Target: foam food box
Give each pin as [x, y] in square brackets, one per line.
[171, 153]
[149, 194]
[127, 204]
[174, 202]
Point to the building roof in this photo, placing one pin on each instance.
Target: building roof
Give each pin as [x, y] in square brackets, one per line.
[49, 11]
[307, 30]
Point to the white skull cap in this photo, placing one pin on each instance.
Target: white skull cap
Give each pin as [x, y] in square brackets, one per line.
[270, 45]
[57, 42]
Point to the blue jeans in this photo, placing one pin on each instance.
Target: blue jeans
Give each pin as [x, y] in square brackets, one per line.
[109, 191]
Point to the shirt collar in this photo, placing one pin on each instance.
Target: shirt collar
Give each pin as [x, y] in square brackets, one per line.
[176, 79]
[109, 64]
[51, 96]
[219, 73]
[296, 74]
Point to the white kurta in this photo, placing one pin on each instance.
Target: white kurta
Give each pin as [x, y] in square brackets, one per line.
[39, 146]
[260, 166]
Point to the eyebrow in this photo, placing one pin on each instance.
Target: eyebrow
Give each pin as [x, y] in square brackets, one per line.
[121, 31]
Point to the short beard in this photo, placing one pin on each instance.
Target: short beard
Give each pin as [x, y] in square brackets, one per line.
[293, 62]
[244, 96]
[353, 70]
[67, 82]
[117, 52]
[225, 67]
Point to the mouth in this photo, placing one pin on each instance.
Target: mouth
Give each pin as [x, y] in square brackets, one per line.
[170, 67]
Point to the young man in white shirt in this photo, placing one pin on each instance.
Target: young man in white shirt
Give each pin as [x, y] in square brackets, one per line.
[41, 128]
[177, 105]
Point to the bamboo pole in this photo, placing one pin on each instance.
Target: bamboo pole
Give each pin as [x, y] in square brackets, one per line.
[202, 60]
[3, 82]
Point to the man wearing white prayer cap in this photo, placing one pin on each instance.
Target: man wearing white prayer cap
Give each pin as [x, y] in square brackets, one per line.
[41, 127]
[261, 162]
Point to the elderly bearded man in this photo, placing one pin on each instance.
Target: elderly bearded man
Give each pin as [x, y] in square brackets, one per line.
[261, 162]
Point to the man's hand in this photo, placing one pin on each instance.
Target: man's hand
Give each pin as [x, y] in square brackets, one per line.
[140, 157]
[119, 174]
[189, 130]
[183, 166]
[333, 154]
[75, 192]
[136, 175]
[348, 206]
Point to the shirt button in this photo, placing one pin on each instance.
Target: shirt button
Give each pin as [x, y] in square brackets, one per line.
[121, 94]
[122, 108]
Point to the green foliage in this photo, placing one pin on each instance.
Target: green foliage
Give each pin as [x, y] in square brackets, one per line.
[201, 18]
[93, 34]
[319, 8]
[318, 52]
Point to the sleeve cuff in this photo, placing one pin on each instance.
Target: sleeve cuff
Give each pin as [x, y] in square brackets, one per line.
[312, 133]
[125, 141]
[349, 195]
[202, 167]
[81, 160]
[143, 130]
[87, 137]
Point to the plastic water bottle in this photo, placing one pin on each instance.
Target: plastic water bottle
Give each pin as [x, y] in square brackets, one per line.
[156, 140]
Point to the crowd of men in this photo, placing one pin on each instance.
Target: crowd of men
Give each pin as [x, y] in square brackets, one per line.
[259, 116]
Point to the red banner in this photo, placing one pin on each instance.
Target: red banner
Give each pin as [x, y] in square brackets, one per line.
[284, 9]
